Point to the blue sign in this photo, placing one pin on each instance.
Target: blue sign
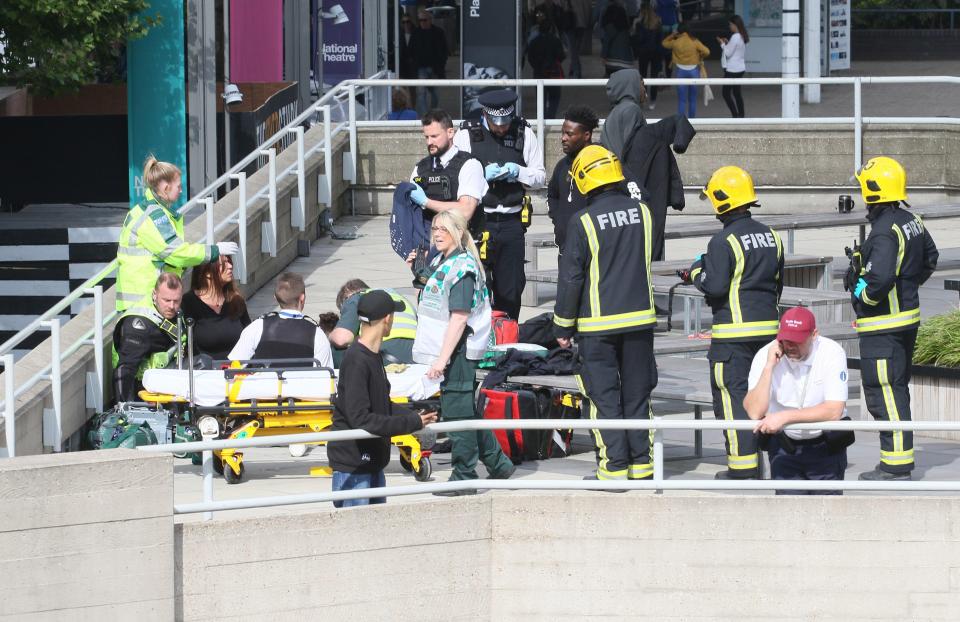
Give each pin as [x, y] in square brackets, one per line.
[342, 34]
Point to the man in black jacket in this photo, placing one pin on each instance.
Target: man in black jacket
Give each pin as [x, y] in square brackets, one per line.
[563, 198]
[429, 45]
[363, 402]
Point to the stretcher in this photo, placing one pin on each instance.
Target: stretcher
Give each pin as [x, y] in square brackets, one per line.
[279, 401]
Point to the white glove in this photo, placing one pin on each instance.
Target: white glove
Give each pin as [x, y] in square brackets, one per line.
[228, 248]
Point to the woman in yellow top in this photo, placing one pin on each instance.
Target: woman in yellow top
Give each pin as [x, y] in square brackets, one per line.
[688, 53]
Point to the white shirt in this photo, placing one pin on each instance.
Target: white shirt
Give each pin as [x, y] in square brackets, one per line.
[250, 339]
[531, 175]
[470, 181]
[821, 377]
[734, 53]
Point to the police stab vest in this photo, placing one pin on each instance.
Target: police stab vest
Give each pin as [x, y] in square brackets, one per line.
[444, 185]
[286, 338]
[488, 148]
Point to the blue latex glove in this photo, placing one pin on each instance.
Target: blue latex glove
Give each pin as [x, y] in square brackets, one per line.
[861, 285]
[512, 169]
[418, 196]
[698, 257]
[492, 171]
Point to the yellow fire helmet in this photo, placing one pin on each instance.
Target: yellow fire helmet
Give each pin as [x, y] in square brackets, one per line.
[595, 167]
[730, 187]
[882, 180]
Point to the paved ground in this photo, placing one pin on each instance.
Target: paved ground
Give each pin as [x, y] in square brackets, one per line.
[272, 471]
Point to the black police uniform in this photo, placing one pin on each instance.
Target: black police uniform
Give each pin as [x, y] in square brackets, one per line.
[897, 258]
[135, 339]
[286, 338]
[741, 276]
[505, 255]
[604, 296]
[442, 183]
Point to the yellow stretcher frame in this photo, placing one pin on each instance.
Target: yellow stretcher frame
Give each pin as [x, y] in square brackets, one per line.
[229, 462]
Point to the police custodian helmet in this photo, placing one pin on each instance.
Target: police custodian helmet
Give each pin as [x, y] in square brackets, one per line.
[595, 167]
[730, 187]
[882, 180]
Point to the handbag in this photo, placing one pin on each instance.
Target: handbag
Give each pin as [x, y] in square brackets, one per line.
[707, 91]
[839, 440]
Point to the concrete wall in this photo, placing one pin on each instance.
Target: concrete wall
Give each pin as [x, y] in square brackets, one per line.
[809, 165]
[87, 536]
[261, 267]
[549, 556]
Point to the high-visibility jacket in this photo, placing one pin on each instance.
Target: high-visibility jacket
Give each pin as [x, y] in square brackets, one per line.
[741, 276]
[404, 322]
[151, 242]
[897, 257]
[605, 285]
[155, 346]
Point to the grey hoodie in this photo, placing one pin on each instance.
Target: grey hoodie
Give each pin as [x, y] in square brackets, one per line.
[623, 91]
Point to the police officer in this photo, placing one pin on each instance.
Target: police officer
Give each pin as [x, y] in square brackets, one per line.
[145, 336]
[884, 280]
[605, 298]
[448, 178]
[284, 334]
[510, 153]
[151, 240]
[741, 276]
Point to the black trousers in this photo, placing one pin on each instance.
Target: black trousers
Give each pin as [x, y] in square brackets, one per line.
[813, 460]
[617, 375]
[505, 263]
[729, 373]
[885, 362]
[732, 95]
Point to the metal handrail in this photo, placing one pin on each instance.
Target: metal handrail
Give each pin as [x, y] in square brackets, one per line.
[656, 483]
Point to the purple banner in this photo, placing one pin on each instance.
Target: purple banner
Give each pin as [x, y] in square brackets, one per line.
[342, 36]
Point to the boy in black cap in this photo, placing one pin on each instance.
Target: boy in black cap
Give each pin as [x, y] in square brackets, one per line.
[513, 162]
[363, 402]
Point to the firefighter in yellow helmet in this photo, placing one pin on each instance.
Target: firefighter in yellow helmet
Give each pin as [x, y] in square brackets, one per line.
[605, 298]
[884, 279]
[741, 277]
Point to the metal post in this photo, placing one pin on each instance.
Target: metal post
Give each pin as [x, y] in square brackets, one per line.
[857, 125]
[790, 240]
[226, 81]
[97, 292]
[269, 229]
[208, 214]
[240, 262]
[687, 325]
[790, 58]
[698, 434]
[208, 481]
[327, 155]
[540, 113]
[353, 138]
[56, 380]
[658, 455]
[298, 216]
[10, 406]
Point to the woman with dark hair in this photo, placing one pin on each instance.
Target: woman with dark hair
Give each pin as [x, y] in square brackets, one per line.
[545, 55]
[217, 307]
[734, 64]
[646, 46]
[688, 53]
[616, 48]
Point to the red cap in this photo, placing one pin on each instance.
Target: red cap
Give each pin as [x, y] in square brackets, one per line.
[796, 325]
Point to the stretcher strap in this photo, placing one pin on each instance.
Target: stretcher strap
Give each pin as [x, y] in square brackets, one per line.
[234, 392]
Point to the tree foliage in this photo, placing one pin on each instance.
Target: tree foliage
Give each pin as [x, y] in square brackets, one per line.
[58, 45]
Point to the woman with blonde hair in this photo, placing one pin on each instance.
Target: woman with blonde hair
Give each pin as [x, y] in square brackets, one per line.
[453, 332]
[152, 241]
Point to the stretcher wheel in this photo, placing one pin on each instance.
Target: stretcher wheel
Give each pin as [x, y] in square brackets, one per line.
[231, 477]
[405, 463]
[217, 465]
[426, 470]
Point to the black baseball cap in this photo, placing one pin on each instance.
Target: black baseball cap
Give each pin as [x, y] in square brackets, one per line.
[376, 305]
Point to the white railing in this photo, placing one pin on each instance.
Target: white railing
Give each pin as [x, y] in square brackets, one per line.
[376, 91]
[657, 482]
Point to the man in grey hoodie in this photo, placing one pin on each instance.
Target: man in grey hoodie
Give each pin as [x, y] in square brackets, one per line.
[625, 92]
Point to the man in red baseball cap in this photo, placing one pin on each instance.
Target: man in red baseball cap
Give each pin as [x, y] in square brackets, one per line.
[801, 377]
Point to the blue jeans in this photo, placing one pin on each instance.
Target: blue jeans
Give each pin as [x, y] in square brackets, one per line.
[687, 94]
[358, 481]
[427, 98]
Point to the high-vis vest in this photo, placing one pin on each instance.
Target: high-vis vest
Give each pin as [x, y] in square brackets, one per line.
[145, 309]
[444, 185]
[151, 241]
[433, 313]
[488, 148]
[741, 275]
[605, 285]
[897, 258]
[404, 322]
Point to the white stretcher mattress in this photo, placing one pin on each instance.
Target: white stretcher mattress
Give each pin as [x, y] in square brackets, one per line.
[211, 387]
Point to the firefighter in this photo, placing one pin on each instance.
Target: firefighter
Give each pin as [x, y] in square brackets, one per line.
[605, 298]
[151, 240]
[884, 279]
[741, 277]
[512, 160]
[448, 178]
[145, 336]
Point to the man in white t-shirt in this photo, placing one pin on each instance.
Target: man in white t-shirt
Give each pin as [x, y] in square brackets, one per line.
[800, 377]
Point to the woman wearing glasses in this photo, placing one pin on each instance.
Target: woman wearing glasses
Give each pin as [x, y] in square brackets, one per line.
[452, 334]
